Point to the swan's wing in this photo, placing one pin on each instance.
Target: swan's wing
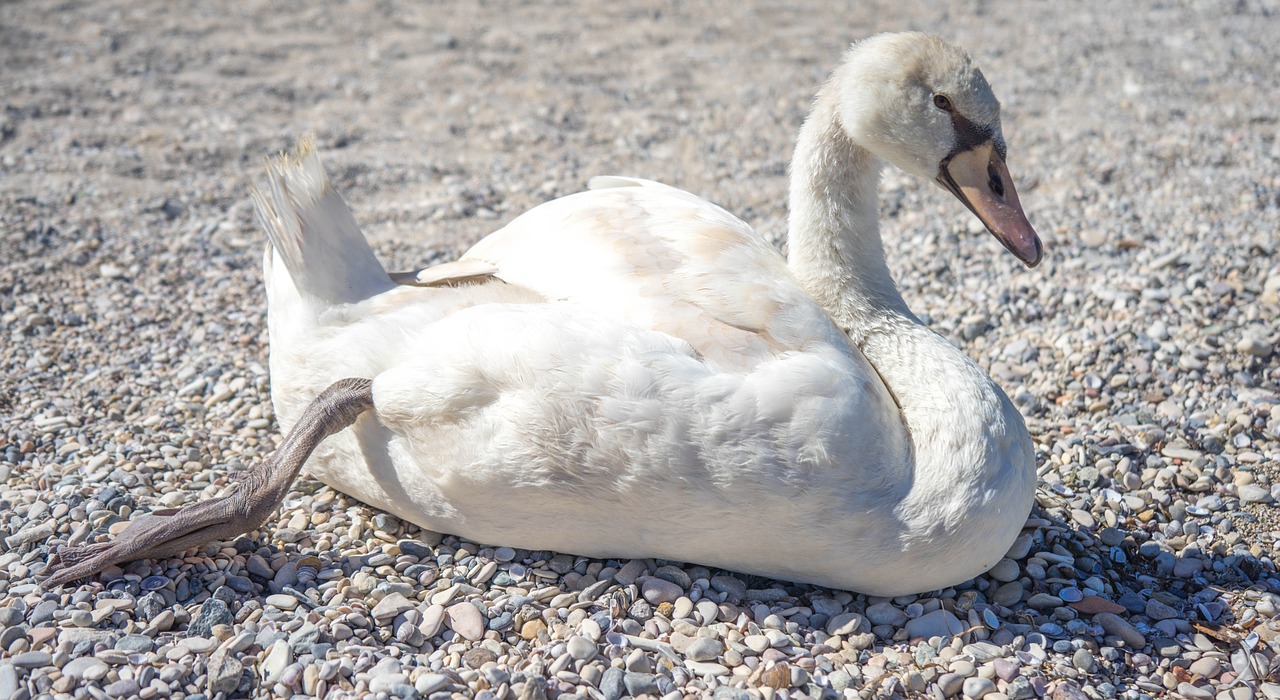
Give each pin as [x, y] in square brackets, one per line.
[664, 260]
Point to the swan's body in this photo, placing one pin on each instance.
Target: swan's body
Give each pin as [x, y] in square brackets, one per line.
[633, 372]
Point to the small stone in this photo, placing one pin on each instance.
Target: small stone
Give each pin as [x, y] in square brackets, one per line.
[1110, 536]
[1020, 547]
[432, 619]
[1092, 605]
[613, 684]
[885, 613]
[257, 566]
[1008, 595]
[1006, 669]
[122, 688]
[85, 668]
[134, 643]
[629, 572]
[1253, 493]
[939, 623]
[756, 642]
[731, 585]
[1157, 610]
[277, 659]
[225, 672]
[477, 657]
[845, 624]
[950, 684]
[388, 683]
[1187, 567]
[429, 683]
[32, 659]
[213, 612]
[1254, 347]
[304, 639]
[640, 683]
[1066, 690]
[530, 630]
[581, 648]
[282, 601]
[657, 591]
[465, 619]
[978, 687]
[1207, 667]
[1190, 691]
[1020, 688]
[1083, 660]
[704, 649]
[8, 681]
[200, 645]
[1044, 601]
[1005, 570]
[391, 605]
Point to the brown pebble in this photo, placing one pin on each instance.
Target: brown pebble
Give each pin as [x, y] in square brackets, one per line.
[477, 657]
[531, 629]
[777, 676]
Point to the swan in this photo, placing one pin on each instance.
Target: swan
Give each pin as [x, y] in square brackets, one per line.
[631, 371]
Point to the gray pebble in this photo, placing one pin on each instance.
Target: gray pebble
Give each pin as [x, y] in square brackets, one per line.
[31, 659]
[978, 687]
[613, 684]
[212, 612]
[704, 649]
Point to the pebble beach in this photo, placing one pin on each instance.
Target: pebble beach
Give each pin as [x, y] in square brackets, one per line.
[1144, 352]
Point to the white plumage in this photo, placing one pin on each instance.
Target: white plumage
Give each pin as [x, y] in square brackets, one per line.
[631, 371]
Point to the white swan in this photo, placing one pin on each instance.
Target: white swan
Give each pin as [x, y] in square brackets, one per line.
[633, 372]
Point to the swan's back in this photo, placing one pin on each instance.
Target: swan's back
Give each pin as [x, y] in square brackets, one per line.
[664, 260]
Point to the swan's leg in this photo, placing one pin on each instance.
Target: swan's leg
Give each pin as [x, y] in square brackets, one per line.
[247, 504]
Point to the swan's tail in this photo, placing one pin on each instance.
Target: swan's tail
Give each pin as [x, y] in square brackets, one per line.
[313, 231]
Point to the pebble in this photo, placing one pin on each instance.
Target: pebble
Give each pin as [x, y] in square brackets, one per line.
[85, 667]
[432, 620]
[9, 684]
[1083, 660]
[466, 620]
[31, 659]
[123, 688]
[391, 605]
[1005, 570]
[213, 612]
[278, 657]
[884, 613]
[939, 623]
[978, 687]
[951, 684]
[846, 623]
[1009, 594]
[704, 649]
[581, 648]
[658, 591]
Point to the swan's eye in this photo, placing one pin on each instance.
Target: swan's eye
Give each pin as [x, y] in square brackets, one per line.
[942, 102]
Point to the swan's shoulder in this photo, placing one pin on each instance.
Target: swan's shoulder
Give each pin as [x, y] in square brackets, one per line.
[664, 260]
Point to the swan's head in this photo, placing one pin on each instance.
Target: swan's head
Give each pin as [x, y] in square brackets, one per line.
[921, 104]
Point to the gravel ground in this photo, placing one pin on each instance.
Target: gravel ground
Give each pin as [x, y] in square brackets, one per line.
[1143, 352]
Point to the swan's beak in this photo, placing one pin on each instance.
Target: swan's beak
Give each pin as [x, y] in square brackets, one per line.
[979, 178]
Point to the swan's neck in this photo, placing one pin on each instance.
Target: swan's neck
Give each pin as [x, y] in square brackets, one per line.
[834, 245]
[964, 432]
